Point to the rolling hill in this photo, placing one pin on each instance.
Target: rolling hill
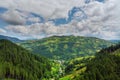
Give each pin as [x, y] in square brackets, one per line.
[16, 63]
[105, 65]
[66, 47]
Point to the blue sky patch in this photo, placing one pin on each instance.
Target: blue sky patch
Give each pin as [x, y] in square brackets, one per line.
[3, 23]
[2, 10]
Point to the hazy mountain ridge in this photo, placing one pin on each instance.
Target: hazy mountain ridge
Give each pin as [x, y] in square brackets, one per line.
[13, 39]
[115, 41]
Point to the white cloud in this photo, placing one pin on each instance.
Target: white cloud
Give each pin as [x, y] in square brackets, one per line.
[102, 18]
[13, 17]
[45, 8]
[34, 19]
[84, 28]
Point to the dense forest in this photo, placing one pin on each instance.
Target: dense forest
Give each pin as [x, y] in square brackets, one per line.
[66, 47]
[86, 59]
[105, 65]
[19, 64]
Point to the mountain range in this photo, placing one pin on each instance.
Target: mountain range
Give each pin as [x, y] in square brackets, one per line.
[115, 41]
[13, 39]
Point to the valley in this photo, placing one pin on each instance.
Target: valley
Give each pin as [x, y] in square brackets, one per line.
[66, 49]
[59, 58]
[59, 39]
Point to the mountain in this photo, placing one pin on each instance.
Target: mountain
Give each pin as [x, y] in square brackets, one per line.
[10, 38]
[105, 65]
[66, 47]
[115, 41]
[16, 63]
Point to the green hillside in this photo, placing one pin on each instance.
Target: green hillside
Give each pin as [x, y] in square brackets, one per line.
[105, 65]
[78, 52]
[66, 47]
[19, 64]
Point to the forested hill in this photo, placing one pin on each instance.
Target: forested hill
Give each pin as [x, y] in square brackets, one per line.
[66, 47]
[19, 64]
[104, 66]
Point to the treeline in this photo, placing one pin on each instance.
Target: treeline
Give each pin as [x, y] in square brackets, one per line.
[110, 49]
[77, 64]
[19, 64]
[105, 66]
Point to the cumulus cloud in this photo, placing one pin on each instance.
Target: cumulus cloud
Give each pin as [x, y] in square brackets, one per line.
[34, 19]
[45, 8]
[13, 17]
[102, 20]
[84, 28]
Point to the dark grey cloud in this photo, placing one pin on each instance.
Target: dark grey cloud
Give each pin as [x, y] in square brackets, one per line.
[13, 17]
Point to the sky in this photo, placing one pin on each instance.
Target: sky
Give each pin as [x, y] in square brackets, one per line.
[36, 19]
